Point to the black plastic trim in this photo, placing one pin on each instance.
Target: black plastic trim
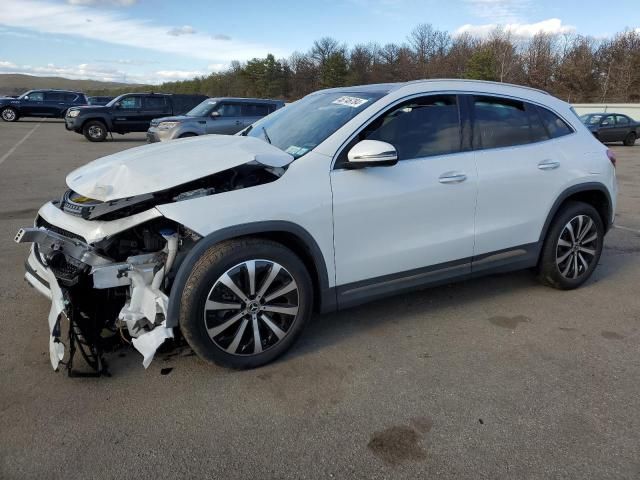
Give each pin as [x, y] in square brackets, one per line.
[582, 187]
[327, 300]
[35, 275]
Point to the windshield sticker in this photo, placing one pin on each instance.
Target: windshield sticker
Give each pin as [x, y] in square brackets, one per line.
[293, 150]
[354, 102]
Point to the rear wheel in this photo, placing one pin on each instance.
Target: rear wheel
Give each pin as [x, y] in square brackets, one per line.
[630, 139]
[572, 248]
[245, 303]
[9, 114]
[95, 131]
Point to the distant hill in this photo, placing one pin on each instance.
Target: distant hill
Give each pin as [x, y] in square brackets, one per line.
[15, 84]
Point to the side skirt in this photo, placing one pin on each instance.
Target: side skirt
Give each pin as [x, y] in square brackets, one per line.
[511, 259]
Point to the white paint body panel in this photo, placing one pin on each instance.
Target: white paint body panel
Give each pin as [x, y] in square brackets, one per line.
[159, 166]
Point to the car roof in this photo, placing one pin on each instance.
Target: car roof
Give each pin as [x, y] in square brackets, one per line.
[54, 90]
[244, 99]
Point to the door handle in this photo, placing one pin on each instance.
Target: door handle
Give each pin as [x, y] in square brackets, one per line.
[548, 164]
[452, 177]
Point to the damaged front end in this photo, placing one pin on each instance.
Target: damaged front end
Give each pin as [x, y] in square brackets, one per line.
[108, 266]
[100, 295]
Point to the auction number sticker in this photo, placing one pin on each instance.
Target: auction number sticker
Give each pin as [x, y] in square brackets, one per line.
[354, 102]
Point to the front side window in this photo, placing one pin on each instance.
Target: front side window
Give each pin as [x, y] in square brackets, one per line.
[607, 121]
[131, 103]
[300, 127]
[230, 110]
[502, 122]
[35, 97]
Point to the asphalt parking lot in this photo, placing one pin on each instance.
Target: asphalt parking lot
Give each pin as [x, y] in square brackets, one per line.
[493, 378]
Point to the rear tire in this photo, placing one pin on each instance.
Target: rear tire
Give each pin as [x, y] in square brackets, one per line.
[95, 131]
[630, 140]
[9, 114]
[263, 317]
[572, 247]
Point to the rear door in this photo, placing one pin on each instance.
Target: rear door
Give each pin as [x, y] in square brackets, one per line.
[155, 106]
[128, 115]
[252, 112]
[521, 170]
[54, 103]
[623, 127]
[229, 119]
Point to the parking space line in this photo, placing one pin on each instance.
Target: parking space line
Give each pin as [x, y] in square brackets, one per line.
[13, 149]
[627, 229]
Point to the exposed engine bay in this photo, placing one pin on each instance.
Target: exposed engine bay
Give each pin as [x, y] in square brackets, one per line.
[117, 288]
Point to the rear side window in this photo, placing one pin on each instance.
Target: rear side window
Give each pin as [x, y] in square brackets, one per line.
[622, 120]
[156, 103]
[501, 122]
[422, 127]
[255, 110]
[54, 96]
[554, 124]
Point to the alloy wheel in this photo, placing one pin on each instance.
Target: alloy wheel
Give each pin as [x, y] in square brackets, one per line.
[577, 247]
[251, 307]
[95, 131]
[8, 115]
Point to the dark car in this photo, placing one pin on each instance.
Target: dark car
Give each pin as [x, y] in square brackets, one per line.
[131, 112]
[40, 103]
[99, 100]
[214, 115]
[612, 127]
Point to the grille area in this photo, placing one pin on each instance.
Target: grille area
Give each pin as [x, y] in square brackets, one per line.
[41, 222]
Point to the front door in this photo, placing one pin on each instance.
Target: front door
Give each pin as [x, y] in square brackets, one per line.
[227, 120]
[607, 130]
[33, 105]
[413, 222]
[128, 115]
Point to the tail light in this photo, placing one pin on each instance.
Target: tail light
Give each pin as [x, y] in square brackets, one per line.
[612, 157]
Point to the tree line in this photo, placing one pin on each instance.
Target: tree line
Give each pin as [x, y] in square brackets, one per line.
[573, 67]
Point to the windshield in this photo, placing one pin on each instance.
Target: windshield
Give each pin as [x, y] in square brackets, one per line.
[25, 94]
[591, 119]
[303, 125]
[202, 110]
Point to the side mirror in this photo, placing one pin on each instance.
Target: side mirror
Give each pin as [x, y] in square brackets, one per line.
[372, 153]
[215, 114]
[604, 124]
[117, 105]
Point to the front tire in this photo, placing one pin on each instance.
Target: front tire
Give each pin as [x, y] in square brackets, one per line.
[245, 303]
[572, 247]
[9, 114]
[95, 131]
[630, 140]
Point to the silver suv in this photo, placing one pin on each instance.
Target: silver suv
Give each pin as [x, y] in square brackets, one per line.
[215, 115]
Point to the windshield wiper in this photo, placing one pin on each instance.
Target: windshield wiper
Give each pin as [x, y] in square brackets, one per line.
[266, 135]
[246, 131]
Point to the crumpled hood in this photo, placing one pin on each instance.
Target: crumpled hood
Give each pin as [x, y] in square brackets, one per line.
[159, 166]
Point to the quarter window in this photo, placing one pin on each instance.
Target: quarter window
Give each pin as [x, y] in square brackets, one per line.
[501, 122]
[554, 124]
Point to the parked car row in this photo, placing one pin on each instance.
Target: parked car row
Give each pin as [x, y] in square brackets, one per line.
[612, 127]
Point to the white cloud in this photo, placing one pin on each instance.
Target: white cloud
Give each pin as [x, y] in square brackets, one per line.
[116, 28]
[550, 26]
[184, 30]
[169, 75]
[500, 11]
[117, 3]
[4, 64]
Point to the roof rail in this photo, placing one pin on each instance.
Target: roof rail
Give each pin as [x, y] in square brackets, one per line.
[486, 82]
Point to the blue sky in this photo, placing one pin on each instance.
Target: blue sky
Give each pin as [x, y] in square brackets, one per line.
[154, 40]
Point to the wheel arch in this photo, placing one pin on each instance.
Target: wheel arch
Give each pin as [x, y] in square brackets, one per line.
[595, 194]
[100, 118]
[286, 233]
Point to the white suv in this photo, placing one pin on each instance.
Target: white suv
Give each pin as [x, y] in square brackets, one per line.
[345, 196]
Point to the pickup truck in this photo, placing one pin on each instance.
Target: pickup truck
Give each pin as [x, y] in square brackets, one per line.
[40, 103]
[131, 112]
[612, 127]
